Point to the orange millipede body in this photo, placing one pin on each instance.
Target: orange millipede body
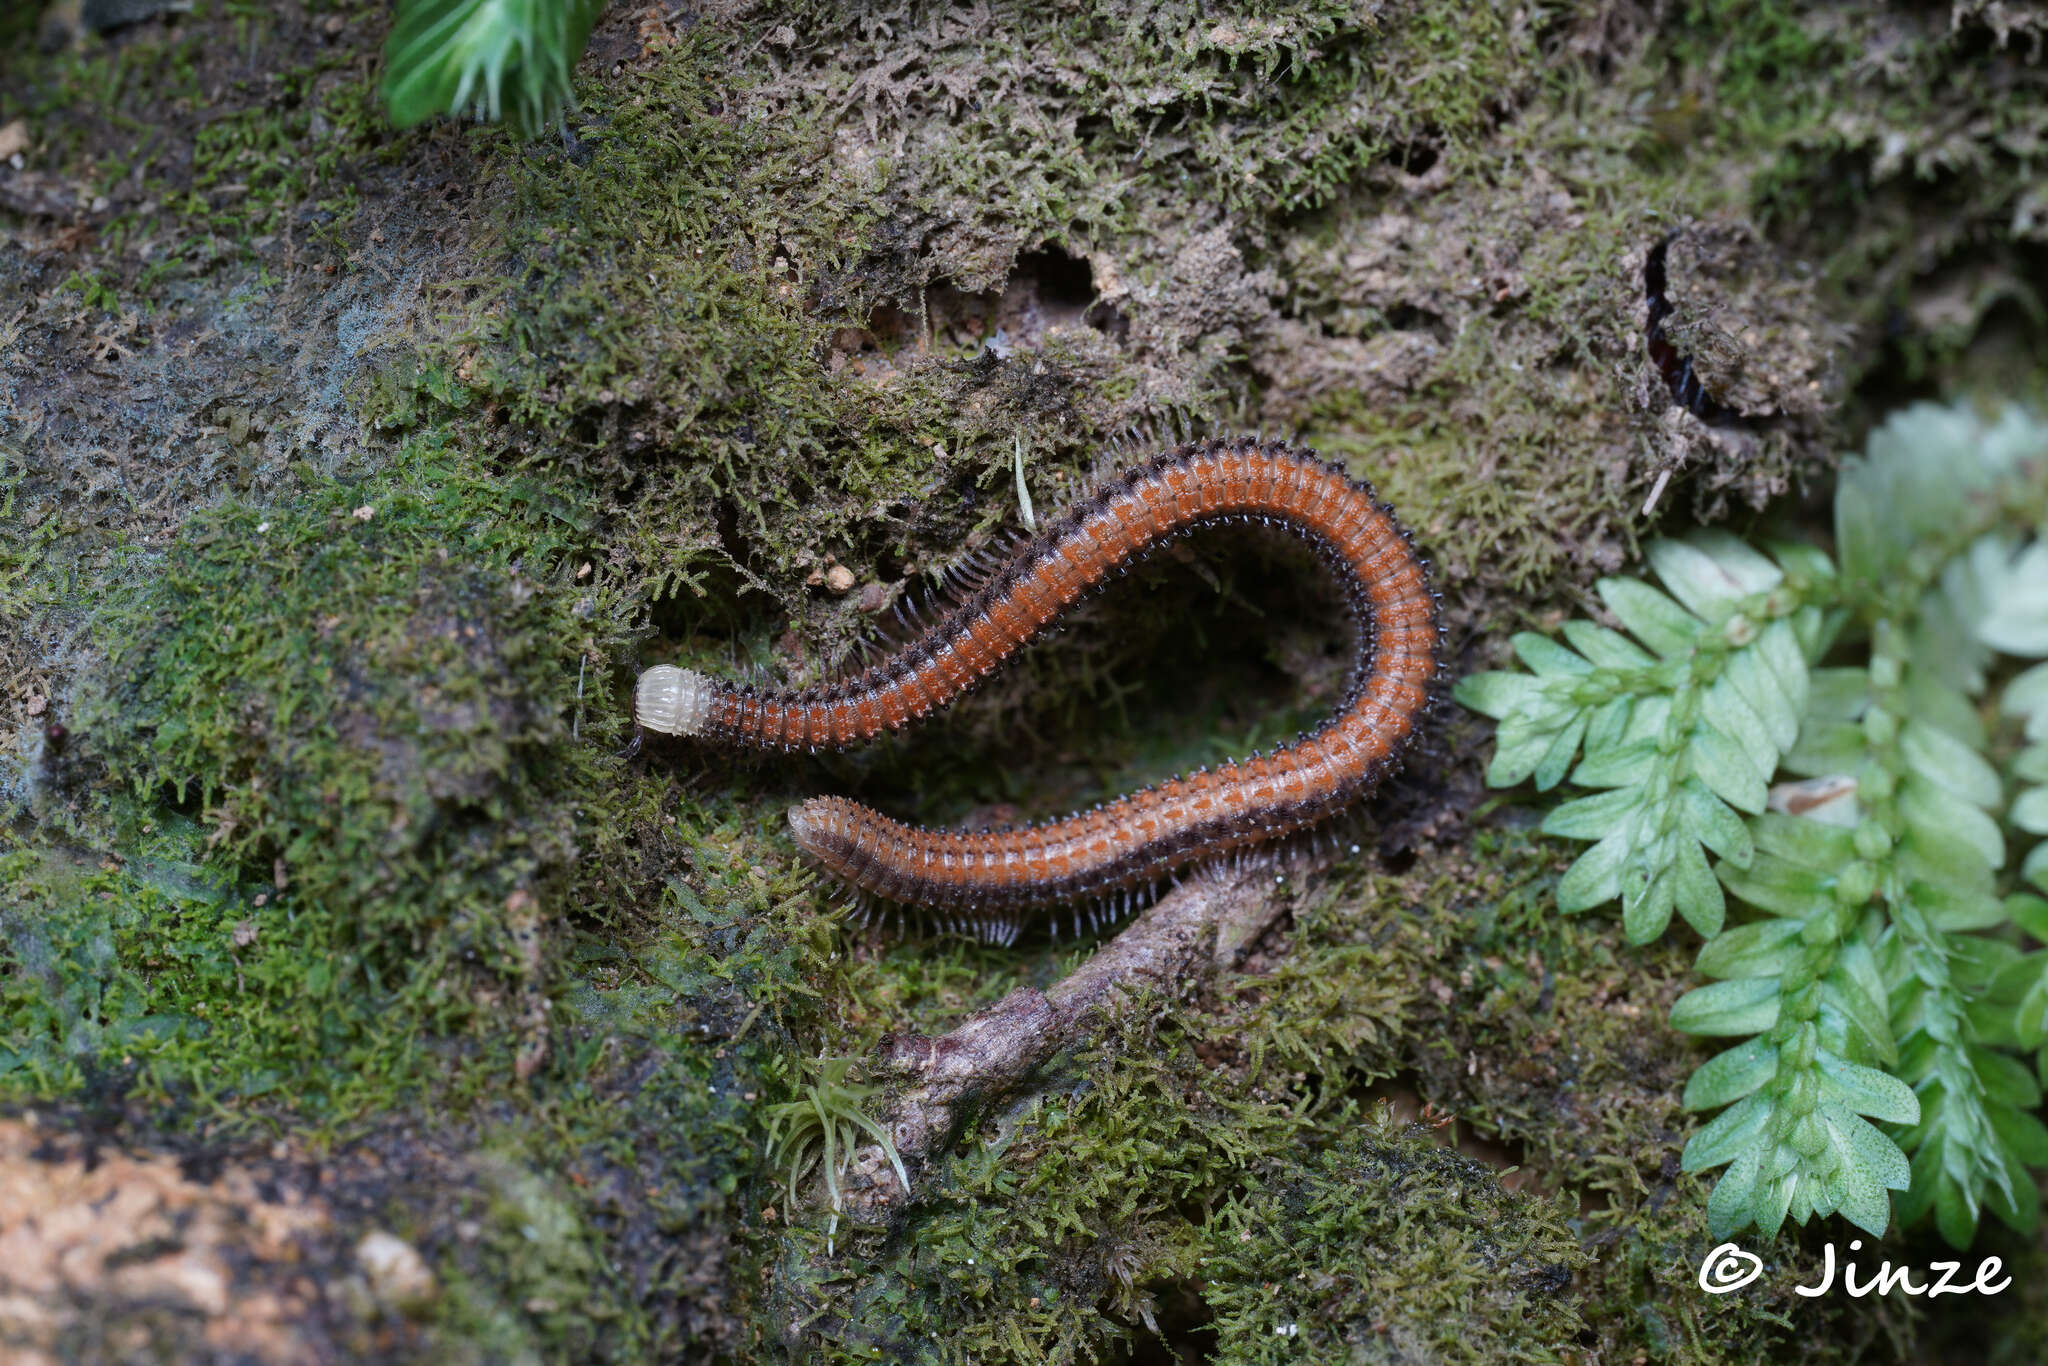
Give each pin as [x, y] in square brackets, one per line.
[979, 881]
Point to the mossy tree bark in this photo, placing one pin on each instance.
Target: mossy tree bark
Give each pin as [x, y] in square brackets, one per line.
[348, 476]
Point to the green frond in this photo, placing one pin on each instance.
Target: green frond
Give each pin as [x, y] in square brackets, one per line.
[491, 59]
[1683, 725]
[1870, 983]
[1932, 480]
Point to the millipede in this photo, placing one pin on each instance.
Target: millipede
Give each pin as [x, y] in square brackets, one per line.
[982, 882]
[1688, 390]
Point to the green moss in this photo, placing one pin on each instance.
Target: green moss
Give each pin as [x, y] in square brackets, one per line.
[202, 141]
[1068, 1222]
[535, 1270]
[1047, 1237]
[734, 328]
[1900, 174]
[362, 698]
[713, 297]
[1545, 1034]
[1384, 1247]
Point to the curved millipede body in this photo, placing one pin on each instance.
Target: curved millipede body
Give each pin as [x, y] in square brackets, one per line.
[980, 881]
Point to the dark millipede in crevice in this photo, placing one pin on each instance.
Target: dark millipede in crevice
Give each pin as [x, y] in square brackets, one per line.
[1688, 390]
[980, 881]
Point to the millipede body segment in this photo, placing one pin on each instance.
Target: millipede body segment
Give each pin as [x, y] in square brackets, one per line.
[980, 881]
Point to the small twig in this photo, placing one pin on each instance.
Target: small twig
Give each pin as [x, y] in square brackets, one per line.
[1024, 508]
[1656, 490]
[1206, 923]
[576, 727]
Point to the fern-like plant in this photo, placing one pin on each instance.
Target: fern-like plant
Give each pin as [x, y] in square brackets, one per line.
[1874, 974]
[491, 59]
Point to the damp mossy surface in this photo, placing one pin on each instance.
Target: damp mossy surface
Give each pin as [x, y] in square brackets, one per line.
[348, 477]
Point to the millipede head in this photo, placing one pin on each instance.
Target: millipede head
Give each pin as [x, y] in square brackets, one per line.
[672, 701]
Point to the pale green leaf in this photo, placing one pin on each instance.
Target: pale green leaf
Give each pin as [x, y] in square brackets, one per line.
[1557, 759]
[1837, 694]
[1771, 884]
[1519, 747]
[1720, 829]
[1744, 1005]
[1799, 558]
[2018, 620]
[1724, 707]
[1826, 748]
[1622, 767]
[1728, 1207]
[1865, 1038]
[1608, 649]
[1779, 646]
[1763, 948]
[2015, 1199]
[1596, 876]
[1854, 989]
[2027, 693]
[1732, 1075]
[1656, 620]
[1943, 640]
[1759, 687]
[1753, 571]
[1694, 890]
[1948, 762]
[2030, 811]
[1646, 909]
[1955, 1214]
[1647, 719]
[1953, 909]
[2004, 1079]
[1726, 770]
[2032, 764]
[2030, 913]
[1546, 657]
[1593, 817]
[2030, 1017]
[1929, 854]
[1797, 839]
[1858, 542]
[1768, 1205]
[2023, 1133]
[1867, 1091]
[1609, 723]
[1707, 586]
[1496, 693]
[1938, 812]
[1858, 1198]
[1727, 1135]
[1871, 1164]
[1933, 702]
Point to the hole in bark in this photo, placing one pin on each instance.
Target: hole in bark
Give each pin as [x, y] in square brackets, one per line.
[1187, 1332]
[1415, 158]
[1060, 281]
[1403, 1092]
